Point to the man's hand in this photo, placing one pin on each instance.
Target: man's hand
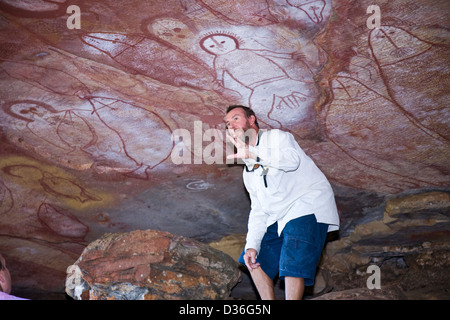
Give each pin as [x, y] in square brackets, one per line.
[250, 259]
[237, 138]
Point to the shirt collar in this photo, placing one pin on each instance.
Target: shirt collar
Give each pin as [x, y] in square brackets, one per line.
[250, 164]
[259, 137]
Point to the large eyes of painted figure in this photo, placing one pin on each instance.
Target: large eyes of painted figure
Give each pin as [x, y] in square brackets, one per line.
[220, 44]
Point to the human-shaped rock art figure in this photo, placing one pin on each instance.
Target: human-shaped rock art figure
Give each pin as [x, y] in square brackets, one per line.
[71, 135]
[61, 222]
[55, 185]
[423, 93]
[359, 121]
[255, 12]
[277, 96]
[312, 8]
[172, 30]
[42, 121]
[153, 58]
[94, 136]
[145, 136]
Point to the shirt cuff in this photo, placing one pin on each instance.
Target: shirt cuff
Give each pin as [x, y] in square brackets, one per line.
[253, 241]
[255, 246]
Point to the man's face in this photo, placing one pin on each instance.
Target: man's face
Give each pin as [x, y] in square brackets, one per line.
[237, 122]
[5, 277]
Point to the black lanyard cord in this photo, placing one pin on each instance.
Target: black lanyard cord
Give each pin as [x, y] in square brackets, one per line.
[264, 172]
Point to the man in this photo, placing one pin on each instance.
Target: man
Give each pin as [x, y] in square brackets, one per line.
[292, 205]
[5, 282]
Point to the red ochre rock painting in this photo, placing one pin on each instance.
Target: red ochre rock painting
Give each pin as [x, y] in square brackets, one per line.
[60, 222]
[87, 114]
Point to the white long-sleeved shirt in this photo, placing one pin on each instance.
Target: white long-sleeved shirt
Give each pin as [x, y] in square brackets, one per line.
[294, 186]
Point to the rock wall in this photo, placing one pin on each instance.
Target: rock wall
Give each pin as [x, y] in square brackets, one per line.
[409, 246]
[111, 114]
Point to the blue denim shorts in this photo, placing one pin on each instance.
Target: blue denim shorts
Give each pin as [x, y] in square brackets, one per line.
[296, 252]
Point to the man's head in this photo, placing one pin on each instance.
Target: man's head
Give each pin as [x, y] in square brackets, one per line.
[241, 117]
[5, 276]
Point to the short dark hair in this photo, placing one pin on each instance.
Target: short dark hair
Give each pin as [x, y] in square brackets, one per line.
[248, 112]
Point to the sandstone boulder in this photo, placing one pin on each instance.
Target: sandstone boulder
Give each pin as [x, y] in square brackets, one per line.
[150, 265]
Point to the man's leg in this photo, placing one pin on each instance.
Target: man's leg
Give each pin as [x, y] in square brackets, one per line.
[268, 259]
[263, 283]
[303, 241]
[294, 288]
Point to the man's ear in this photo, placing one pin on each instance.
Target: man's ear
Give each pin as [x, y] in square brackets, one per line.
[252, 120]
